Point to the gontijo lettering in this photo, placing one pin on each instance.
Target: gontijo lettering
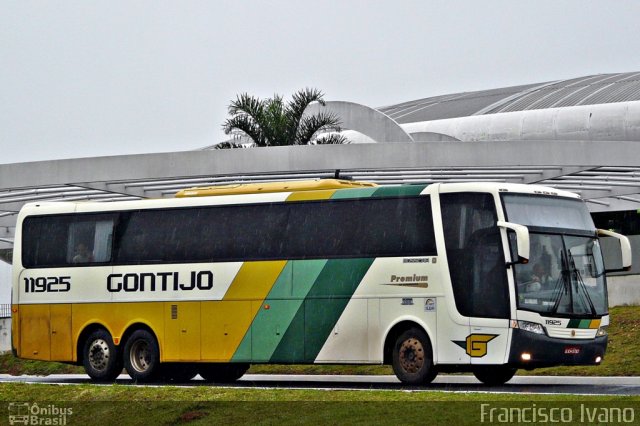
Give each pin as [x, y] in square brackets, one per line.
[159, 281]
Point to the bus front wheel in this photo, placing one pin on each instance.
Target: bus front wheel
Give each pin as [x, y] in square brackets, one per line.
[413, 358]
[494, 375]
[142, 356]
[100, 357]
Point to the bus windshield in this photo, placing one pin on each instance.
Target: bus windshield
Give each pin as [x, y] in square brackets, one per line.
[565, 272]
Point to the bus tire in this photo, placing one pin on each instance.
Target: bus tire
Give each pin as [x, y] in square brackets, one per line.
[222, 373]
[494, 375]
[100, 357]
[413, 358]
[142, 356]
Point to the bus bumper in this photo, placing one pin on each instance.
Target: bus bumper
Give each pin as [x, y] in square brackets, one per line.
[530, 350]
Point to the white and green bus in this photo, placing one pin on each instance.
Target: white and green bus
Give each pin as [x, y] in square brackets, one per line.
[479, 277]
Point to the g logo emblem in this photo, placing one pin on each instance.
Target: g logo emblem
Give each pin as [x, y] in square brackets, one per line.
[476, 344]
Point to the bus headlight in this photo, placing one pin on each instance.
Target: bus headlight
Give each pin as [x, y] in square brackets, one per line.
[602, 331]
[531, 327]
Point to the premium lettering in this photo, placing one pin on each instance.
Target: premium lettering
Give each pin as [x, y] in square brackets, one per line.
[409, 278]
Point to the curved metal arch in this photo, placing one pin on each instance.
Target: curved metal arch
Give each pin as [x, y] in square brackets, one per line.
[366, 120]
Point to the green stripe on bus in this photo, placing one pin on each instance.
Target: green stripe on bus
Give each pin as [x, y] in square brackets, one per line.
[380, 191]
[353, 193]
[278, 310]
[321, 309]
[399, 191]
[577, 323]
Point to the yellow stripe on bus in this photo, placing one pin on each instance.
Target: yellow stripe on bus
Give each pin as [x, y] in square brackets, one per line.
[311, 195]
[254, 280]
[225, 323]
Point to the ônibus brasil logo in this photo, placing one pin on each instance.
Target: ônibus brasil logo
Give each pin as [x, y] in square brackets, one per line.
[25, 413]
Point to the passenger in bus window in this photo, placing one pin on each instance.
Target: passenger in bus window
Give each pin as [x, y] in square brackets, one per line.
[83, 254]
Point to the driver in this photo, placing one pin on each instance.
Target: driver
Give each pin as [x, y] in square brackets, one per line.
[539, 279]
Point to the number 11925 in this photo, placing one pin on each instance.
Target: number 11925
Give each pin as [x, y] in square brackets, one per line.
[47, 284]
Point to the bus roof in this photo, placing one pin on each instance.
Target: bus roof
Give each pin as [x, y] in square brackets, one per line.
[257, 188]
[269, 192]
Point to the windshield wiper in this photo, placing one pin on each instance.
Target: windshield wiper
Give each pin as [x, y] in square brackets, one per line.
[565, 280]
[580, 283]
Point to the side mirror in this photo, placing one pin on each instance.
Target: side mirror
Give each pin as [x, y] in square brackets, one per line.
[625, 248]
[522, 238]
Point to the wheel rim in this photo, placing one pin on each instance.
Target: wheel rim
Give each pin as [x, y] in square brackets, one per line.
[140, 356]
[411, 355]
[99, 355]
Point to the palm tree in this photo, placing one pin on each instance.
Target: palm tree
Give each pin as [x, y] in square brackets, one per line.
[271, 122]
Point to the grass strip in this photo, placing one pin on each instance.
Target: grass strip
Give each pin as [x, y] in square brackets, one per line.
[138, 405]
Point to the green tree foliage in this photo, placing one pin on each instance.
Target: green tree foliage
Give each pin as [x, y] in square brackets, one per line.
[272, 122]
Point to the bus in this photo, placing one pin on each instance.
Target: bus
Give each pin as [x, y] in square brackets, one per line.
[484, 278]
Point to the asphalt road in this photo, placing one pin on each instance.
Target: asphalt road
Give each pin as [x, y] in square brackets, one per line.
[444, 383]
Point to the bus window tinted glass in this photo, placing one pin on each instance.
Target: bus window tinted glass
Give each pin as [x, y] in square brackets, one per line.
[201, 234]
[50, 241]
[298, 230]
[361, 228]
[475, 256]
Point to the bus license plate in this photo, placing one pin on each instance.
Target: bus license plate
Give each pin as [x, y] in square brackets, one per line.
[571, 350]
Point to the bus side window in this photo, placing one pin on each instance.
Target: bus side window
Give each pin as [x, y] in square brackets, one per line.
[50, 241]
[43, 241]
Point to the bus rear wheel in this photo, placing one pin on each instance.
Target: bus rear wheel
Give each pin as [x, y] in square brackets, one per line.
[142, 356]
[413, 358]
[100, 357]
[222, 373]
[494, 375]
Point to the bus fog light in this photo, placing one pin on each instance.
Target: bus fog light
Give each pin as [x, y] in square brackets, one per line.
[531, 327]
[602, 331]
[598, 359]
[526, 356]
